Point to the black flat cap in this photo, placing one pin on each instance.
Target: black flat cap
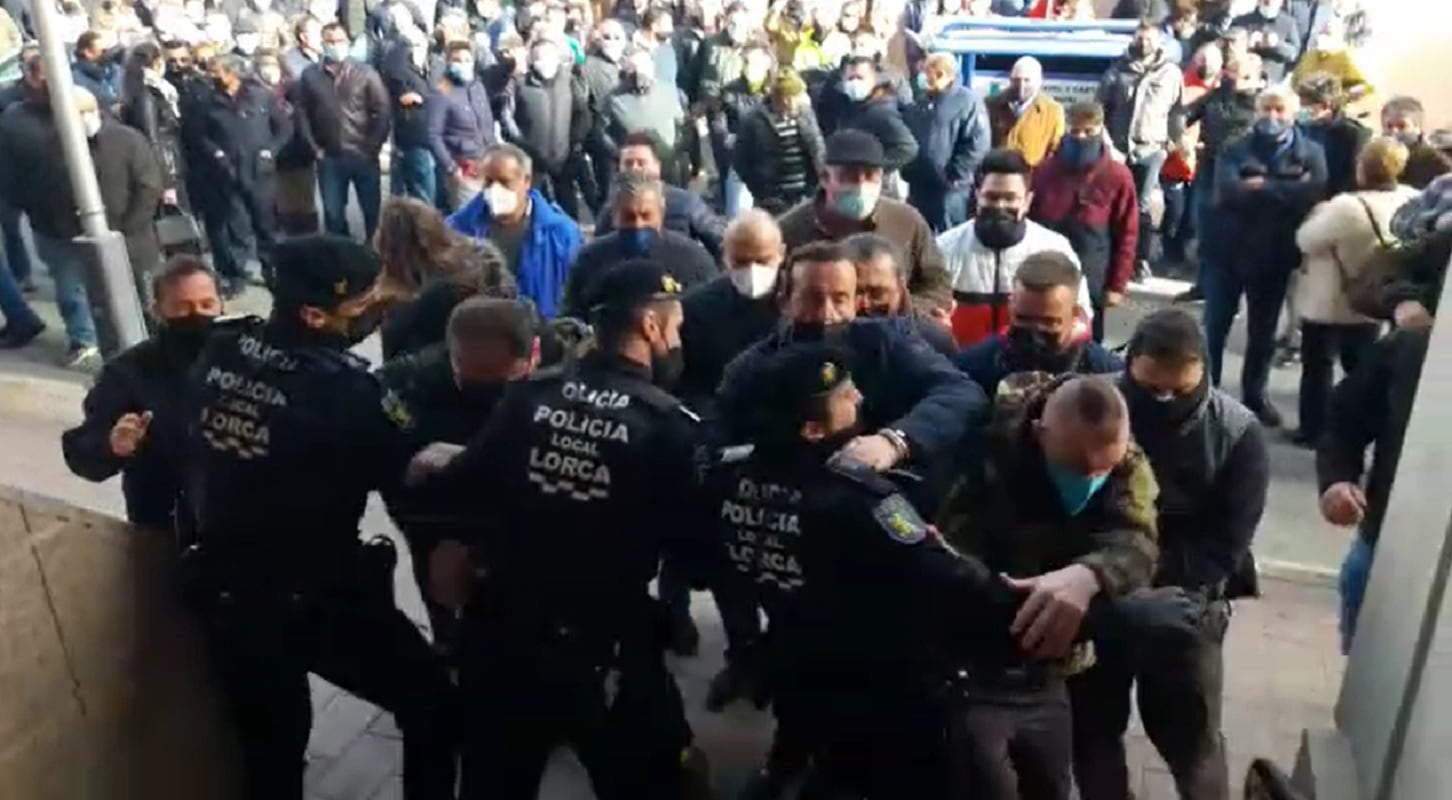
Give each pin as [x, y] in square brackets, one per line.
[854, 148]
[631, 284]
[323, 271]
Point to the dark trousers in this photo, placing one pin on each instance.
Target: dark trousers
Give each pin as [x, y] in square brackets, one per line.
[884, 751]
[17, 255]
[522, 700]
[1178, 226]
[559, 185]
[1179, 698]
[1014, 745]
[335, 175]
[241, 224]
[1264, 289]
[942, 209]
[263, 661]
[1321, 344]
[1096, 327]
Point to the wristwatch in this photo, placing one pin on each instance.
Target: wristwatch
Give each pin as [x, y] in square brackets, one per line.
[899, 441]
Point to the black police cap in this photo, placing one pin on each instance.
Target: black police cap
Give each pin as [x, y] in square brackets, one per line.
[795, 378]
[323, 270]
[630, 284]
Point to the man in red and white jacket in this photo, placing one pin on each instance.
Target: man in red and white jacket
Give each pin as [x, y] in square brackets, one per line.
[984, 253]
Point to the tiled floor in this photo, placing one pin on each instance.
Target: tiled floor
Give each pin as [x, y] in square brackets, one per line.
[1282, 668]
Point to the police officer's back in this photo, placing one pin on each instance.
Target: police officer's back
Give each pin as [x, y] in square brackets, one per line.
[289, 433]
[589, 472]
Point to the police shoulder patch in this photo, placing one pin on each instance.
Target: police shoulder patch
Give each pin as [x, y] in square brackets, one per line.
[396, 410]
[901, 521]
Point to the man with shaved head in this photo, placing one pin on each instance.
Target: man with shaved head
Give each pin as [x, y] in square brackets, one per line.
[1023, 117]
[1063, 503]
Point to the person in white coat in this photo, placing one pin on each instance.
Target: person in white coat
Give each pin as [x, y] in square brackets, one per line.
[1340, 237]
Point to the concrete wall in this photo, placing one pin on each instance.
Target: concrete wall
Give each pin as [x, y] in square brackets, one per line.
[103, 694]
[1411, 53]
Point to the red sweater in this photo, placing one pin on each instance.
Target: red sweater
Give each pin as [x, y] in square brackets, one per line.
[1097, 211]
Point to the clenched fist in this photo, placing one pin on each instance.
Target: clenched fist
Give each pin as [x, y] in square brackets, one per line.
[128, 433]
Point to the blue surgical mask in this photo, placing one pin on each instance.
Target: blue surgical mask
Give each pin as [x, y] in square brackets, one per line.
[921, 82]
[1075, 489]
[856, 89]
[638, 241]
[1080, 153]
[857, 202]
[462, 73]
[335, 53]
[1272, 128]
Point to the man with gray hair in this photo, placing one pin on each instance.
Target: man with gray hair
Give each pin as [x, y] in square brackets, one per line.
[1023, 117]
[639, 203]
[538, 240]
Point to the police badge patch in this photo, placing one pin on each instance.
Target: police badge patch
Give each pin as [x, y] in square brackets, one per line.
[901, 521]
[396, 411]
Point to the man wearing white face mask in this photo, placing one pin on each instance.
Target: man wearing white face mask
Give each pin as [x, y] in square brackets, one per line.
[246, 38]
[1274, 36]
[549, 120]
[729, 313]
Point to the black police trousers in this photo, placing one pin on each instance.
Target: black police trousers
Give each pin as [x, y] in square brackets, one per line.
[1179, 692]
[625, 721]
[1013, 743]
[263, 656]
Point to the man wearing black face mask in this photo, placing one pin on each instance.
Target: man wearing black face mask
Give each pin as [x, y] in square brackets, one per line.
[1209, 458]
[131, 426]
[1040, 336]
[289, 434]
[587, 475]
[450, 390]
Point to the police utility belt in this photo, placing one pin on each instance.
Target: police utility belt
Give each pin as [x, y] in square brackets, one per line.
[222, 575]
[1027, 676]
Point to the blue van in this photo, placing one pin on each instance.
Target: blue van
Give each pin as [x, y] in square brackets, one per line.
[1075, 54]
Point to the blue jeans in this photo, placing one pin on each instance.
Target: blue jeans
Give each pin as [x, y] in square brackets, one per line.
[414, 174]
[335, 175]
[1265, 292]
[19, 317]
[66, 262]
[17, 256]
[1355, 574]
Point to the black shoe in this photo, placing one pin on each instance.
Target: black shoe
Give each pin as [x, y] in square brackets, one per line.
[11, 339]
[1300, 438]
[1266, 413]
[1142, 271]
[1192, 295]
[726, 687]
[685, 637]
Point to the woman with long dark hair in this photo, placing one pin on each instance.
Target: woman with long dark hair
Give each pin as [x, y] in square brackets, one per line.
[150, 104]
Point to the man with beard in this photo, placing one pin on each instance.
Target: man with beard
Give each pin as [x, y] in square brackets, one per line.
[1041, 330]
[130, 423]
[1209, 457]
[450, 390]
[882, 291]
[589, 476]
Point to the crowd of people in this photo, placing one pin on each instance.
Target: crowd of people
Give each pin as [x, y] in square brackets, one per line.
[759, 298]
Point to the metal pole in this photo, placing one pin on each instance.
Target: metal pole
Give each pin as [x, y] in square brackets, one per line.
[119, 318]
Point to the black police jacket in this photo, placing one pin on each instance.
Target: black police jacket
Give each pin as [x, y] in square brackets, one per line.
[846, 569]
[287, 436]
[720, 322]
[590, 474]
[905, 385]
[151, 376]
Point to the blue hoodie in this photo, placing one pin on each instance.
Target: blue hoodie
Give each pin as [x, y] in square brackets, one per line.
[546, 254]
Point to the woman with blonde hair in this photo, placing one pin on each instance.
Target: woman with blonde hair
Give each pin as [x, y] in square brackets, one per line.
[428, 269]
[1337, 241]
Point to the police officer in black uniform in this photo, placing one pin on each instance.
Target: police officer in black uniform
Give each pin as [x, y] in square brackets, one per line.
[290, 433]
[859, 592]
[590, 473]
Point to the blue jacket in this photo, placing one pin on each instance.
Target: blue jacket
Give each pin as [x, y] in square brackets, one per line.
[1262, 220]
[954, 136]
[461, 123]
[546, 255]
[986, 362]
[100, 79]
[905, 385]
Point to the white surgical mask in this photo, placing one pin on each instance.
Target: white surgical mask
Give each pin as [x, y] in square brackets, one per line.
[756, 74]
[754, 280]
[546, 68]
[612, 49]
[856, 89]
[247, 43]
[1270, 11]
[91, 122]
[502, 200]
[336, 52]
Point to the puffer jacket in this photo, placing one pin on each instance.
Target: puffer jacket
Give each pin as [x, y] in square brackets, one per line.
[1338, 239]
[548, 119]
[1143, 104]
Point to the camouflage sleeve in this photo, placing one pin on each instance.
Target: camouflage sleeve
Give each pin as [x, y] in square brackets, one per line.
[1126, 551]
[956, 520]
